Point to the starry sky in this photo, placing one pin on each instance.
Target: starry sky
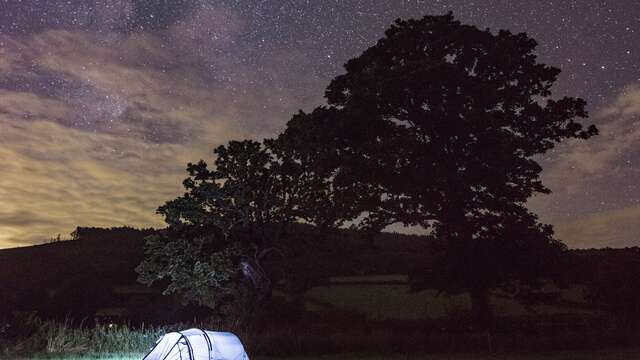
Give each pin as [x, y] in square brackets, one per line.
[102, 103]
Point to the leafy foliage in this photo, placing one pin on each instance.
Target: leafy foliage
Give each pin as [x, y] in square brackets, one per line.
[229, 237]
[220, 220]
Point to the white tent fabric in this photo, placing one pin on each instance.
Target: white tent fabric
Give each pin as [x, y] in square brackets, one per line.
[196, 344]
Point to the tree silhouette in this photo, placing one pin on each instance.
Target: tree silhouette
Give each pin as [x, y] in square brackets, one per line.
[219, 230]
[230, 238]
[438, 126]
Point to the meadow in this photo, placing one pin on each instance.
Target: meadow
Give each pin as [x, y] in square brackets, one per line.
[377, 297]
[360, 315]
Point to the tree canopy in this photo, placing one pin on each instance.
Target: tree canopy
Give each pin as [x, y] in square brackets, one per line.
[231, 236]
[220, 229]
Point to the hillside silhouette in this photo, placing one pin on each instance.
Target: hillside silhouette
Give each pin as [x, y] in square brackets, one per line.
[93, 274]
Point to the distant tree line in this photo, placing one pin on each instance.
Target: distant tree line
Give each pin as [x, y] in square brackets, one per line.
[113, 233]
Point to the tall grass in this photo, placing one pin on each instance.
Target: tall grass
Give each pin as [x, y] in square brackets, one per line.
[53, 337]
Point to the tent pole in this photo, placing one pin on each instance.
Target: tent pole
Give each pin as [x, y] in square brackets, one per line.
[206, 337]
[189, 348]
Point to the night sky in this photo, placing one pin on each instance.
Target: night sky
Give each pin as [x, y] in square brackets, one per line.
[103, 103]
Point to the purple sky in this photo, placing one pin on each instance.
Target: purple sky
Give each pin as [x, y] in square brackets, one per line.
[103, 103]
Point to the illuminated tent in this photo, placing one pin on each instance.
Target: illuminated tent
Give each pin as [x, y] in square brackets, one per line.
[196, 344]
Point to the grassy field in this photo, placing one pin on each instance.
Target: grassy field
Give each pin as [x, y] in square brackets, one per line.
[587, 355]
[378, 297]
[345, 306]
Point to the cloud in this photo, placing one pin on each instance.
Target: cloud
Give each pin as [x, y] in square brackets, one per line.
[112, 146]
[22, 105]
[98, 119]
[619, 126]
[597, 174]
[55, 178]
[613, 228]
[627, 103]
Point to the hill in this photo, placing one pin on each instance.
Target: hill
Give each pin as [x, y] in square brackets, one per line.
[93, 275]
[70, 278]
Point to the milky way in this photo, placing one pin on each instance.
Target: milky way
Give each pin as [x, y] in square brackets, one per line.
[103, 103]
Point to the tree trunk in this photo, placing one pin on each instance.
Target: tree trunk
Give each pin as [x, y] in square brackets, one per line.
[481, 308]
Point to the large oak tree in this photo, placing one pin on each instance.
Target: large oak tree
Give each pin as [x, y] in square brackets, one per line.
[438, 125]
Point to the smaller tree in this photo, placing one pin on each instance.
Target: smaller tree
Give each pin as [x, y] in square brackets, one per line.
[220, 229]
[237, 230]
